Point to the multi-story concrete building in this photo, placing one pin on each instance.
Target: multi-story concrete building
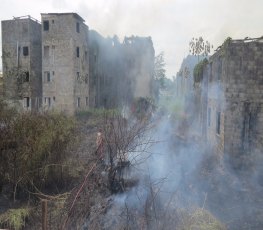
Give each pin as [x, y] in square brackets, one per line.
[21, 55]
[65, 62]
[120, 72]
[70, 68]
[139, 55]
[232, 94]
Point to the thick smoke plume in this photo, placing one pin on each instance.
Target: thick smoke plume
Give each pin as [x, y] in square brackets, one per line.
[181, 179]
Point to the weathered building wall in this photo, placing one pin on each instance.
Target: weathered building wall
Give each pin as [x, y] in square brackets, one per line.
[21, 55]
[106, 70]
[111, 74]
[140, 55]
[215, 103]
[244, 98]
[120, 71]
[1, 85]
[185, 78]
[65, 62]
[235, 85]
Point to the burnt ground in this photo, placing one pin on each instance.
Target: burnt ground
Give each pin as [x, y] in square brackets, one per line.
[233, 196]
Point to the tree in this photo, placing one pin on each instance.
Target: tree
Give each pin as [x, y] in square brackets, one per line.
[198, 71]
[198, 46]
[159, 70]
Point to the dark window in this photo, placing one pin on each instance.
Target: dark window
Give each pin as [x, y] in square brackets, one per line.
[209, 117]
[77, 51]
[77, 27]
[86, 55]
[46, 25]
[25, 51]
[54, 98]
[47, 76]
[78, 76]
[48, 101]
[46, 51]
[53, 53]
[26, 76]
[53, 73]
[26, 102]
[87, 101]
[218, 115]
[78, 102]
[53, 21]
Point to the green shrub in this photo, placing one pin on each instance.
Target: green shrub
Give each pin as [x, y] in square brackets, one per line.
[14, 218]
[199, 219]
[99, 113]
[31, 144]
[198, 71]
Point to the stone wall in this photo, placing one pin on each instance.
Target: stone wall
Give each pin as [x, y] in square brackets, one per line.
[235, 85]
[244, 98]
[215, 103]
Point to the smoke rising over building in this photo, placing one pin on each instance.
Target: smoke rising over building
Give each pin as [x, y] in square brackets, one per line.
[234, 98]
[67, 68]
[228, 99]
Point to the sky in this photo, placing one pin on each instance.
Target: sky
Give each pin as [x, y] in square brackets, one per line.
[171, 23]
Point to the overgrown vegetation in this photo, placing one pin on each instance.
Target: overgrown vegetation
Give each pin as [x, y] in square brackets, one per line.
[227, 42]
[14, 218]
[142, 107]
[33, 150]
[96, 112]
[198, 71]
[198, 218]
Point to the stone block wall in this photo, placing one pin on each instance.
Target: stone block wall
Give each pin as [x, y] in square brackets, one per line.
[215, 103]
[244, 97]
[235, 86]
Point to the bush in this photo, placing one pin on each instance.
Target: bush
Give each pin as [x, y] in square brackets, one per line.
[33, 148]
[198, 71]
[199, 219]
[14, 218]
[99, 113]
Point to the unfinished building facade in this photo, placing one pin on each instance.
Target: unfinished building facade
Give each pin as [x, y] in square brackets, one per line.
[233, 85]
[21, 56]
[65, 62]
